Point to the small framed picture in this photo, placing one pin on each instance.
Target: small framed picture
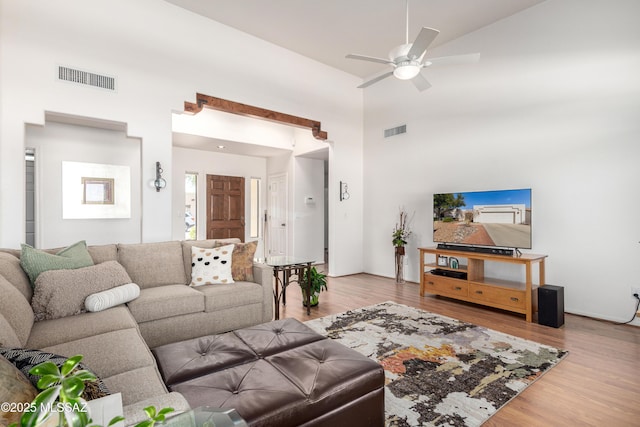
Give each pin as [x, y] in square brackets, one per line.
[443, 261]
[453, 262]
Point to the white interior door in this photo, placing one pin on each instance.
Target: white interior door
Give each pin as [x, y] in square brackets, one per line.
[277, 220]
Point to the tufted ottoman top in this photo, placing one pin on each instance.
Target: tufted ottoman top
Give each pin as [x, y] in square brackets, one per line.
[185, 360]
[280, 373]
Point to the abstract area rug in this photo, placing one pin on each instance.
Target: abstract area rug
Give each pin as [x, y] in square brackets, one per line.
[439, 371]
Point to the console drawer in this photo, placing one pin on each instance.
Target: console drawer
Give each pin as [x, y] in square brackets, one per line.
[497, 295]
[445, 286]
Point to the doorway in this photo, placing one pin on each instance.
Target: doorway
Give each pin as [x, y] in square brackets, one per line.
[225, 207]
[277, 220]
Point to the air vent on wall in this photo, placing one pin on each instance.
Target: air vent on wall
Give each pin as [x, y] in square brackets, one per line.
[395, 131]
[86, 78]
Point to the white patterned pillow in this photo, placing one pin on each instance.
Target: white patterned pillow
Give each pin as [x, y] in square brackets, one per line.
[211, 266]
[112, 297]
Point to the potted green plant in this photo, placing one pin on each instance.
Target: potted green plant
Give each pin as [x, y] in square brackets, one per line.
[318, 284]
[401, 233]
[61, 399]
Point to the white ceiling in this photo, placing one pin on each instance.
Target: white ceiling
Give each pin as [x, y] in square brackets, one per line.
[327, 30]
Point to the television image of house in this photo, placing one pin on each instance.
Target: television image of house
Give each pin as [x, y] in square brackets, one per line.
[501, 214]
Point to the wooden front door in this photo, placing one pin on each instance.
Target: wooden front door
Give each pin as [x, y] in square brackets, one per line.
[225, 207]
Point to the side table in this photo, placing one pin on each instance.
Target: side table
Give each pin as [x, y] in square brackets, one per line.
[283, 268]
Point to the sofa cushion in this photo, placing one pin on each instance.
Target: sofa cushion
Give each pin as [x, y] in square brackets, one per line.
[242, 261]
[102, 253]
[14, 388]
[166, 301]
[35, 261]
[209, 243]
[8, 337]
[52, 332]
[112, 297]
[153, 264]
[16, 310]
[13, 272]
[110, 353]
[211, 266]
[137, 385]
[217, 297]
[25, 359]
[61, 293]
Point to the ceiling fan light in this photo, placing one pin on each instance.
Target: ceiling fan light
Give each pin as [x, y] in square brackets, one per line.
[406, 71]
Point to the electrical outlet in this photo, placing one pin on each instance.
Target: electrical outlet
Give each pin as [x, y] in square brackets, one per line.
[635, 290]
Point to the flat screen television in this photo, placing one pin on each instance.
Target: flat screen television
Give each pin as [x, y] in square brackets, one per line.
[499, 218]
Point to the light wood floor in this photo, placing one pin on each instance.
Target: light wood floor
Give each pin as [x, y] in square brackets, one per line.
[597, 384]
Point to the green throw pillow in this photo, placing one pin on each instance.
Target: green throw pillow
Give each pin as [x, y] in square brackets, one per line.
[34, 261]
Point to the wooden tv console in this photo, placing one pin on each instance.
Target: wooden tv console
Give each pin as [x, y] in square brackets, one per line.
[516, 296]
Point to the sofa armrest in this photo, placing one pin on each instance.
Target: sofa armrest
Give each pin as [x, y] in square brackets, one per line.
[134, 413]
[263, 275]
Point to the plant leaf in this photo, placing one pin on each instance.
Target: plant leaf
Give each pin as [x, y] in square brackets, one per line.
[70, 364]
[45, 368]
[84, 375]
[165, 411]
[72, 388]
[115, 420]
[44, 400]
[47, 381]
[145, 423]
[150, 411]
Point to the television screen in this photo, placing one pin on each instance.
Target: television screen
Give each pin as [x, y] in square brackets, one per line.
[484, 218]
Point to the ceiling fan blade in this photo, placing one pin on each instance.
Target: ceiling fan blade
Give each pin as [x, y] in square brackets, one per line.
[375, 80]
[422, 42]
[420, 83]
[469, 58]
[368, 58]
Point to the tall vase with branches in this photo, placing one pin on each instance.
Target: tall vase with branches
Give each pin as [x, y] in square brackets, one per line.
[401, 233]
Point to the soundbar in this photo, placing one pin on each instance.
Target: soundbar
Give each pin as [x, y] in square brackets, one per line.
[449, 273]
[476, 249]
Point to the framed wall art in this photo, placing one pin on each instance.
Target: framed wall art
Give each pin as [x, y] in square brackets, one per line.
[93, 190]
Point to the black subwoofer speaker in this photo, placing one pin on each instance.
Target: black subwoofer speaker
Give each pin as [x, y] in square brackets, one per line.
[551, 305]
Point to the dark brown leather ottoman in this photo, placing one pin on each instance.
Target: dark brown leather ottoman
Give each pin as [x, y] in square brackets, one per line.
[277, 374]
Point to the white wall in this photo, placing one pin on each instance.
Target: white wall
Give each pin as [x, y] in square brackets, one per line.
[161, 56]
[58, 142]
[308, 218]
[553, 105]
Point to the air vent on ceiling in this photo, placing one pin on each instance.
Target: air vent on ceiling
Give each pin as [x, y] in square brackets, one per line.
[86, 78]
[395, 131]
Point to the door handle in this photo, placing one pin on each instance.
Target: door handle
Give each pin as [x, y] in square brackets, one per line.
[283, 224]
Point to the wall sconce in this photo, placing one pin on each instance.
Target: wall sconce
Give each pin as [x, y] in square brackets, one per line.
[159, 182]
[344, 191]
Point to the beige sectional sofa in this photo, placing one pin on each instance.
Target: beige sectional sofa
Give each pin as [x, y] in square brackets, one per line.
[116, 342]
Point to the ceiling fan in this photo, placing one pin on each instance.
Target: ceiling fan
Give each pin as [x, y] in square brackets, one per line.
[409, 58]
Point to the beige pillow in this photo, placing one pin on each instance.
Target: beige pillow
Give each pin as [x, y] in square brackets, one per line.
[61, 293]
[211, 266]
[14, 389]
[242, 261]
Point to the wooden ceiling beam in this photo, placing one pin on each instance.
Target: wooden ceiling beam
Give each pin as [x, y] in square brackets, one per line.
[233, 107]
